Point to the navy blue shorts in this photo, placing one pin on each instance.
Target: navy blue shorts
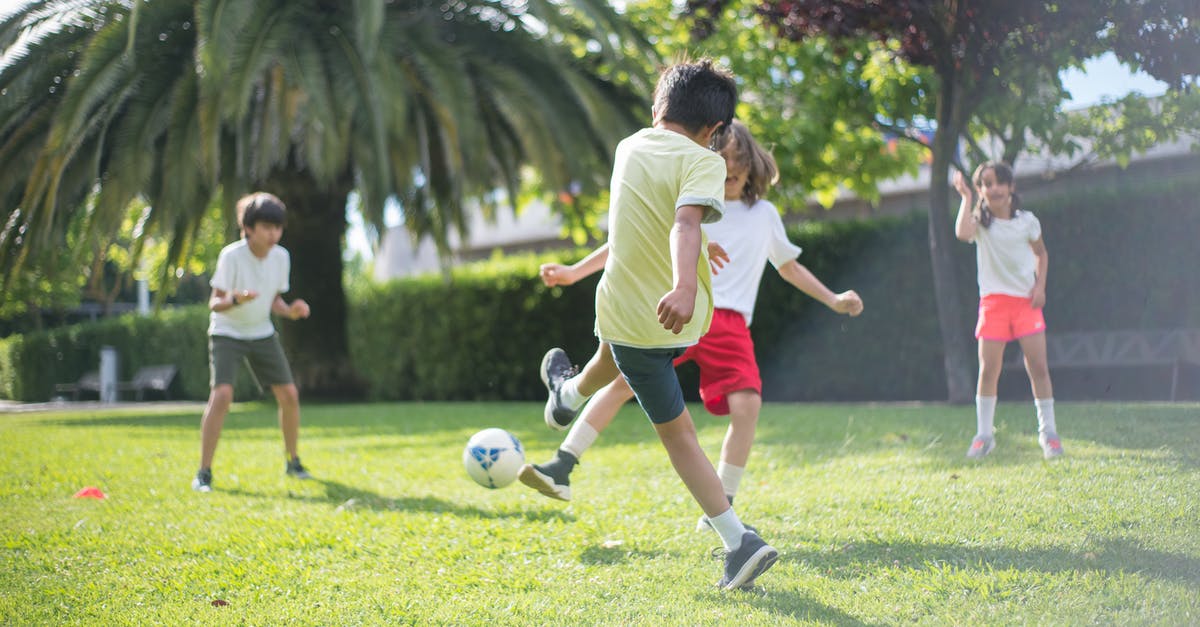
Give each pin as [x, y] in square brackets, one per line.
[650, 372]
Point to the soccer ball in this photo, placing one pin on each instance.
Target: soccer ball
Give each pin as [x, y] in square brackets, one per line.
[493, 458]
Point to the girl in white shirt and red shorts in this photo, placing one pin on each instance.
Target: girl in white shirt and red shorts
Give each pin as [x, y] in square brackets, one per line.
[749, 235]
[1012, 262]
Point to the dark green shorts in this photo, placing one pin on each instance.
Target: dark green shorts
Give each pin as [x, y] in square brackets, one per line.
[265, 358]
[651, 374]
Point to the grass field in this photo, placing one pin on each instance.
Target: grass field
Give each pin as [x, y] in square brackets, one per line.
[878, 517]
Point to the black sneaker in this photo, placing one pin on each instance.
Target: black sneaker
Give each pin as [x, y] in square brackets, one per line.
[552, 480]
[296, 469]
[750, 560]
[203, 480]
[556, 368]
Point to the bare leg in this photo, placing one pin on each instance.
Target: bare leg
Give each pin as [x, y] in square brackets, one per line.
[744, 407]
[288, 398]
[679, 438]
[599, 371]
[219, 400]
[1034, 347]
[600, 411]
[991, 360]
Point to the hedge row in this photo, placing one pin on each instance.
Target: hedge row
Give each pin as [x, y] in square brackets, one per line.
[31, 364]
[1120, 257]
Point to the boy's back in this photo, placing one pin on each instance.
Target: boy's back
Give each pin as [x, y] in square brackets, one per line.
[655, 172]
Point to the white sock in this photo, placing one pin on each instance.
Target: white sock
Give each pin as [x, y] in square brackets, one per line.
[579, 439]
[1045, 415]
[569, 393]
[731, 477]
[729, 528]
[985, 413]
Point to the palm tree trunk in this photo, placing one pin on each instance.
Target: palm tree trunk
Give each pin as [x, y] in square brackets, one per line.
[956, 351]
[316, 223]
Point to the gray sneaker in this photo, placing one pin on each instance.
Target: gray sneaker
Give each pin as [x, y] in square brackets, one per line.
[203, 480]
[750, 560]
[544, 480]
[981, 446]
[1051, 445]
[297, 470]
[556, 368]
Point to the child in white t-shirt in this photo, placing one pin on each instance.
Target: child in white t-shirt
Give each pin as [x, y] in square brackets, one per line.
[247, 287]
[1012, 262]
[751, 233]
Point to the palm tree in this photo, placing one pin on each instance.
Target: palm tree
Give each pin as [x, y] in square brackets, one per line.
[176, 102]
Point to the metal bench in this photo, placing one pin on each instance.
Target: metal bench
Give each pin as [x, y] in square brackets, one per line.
[89, 382]
[151, 378]
[1129, 348]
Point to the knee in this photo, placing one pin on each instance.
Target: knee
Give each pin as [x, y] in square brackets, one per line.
[744, 407]
[221, 394]
[988, 371]
[287, 395]
[1037, 369]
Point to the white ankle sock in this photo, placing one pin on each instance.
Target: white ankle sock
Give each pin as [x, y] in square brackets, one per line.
[729, 528]
[1045, 415]
[985, 414]
[579, 439]
[569, 393]
[731, 477]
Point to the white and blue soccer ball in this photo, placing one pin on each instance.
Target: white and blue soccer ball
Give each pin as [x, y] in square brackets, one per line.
[493, 458]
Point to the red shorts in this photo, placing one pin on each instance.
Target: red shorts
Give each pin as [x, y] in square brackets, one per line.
[726, 358]
[1004, 318]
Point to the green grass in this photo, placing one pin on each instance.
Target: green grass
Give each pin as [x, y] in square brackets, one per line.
[878, 517]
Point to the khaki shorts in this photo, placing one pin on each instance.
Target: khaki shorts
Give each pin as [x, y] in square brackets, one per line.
[265, 358]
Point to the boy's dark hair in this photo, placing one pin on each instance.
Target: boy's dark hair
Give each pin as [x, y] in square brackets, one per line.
[695, 95]
[261, 207]
[1004, 176]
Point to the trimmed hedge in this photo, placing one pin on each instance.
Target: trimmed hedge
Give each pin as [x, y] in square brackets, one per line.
[1122, 256]
[31, 364]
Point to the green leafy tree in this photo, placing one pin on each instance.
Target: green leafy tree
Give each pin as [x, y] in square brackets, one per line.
[825, 111]
[991, 62]
[176, 103]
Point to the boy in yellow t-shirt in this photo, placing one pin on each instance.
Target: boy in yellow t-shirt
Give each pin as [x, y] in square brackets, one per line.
[655, 298]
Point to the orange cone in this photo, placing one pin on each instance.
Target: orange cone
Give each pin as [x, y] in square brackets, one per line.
[90, 493]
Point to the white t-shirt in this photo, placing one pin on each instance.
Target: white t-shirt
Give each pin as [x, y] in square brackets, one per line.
[239, 269]
[752, 236]
[1005, 258]
[655, 171]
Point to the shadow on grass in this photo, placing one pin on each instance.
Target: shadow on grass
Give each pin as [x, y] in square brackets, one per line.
[1109, 556]
[792, 605]
[597, 555]
[350, 498]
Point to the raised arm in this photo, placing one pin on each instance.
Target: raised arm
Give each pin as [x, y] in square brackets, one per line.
[553, 274]
[802, 278]
[964, 224]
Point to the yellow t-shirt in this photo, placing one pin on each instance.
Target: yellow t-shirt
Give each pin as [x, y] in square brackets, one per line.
[655, 171]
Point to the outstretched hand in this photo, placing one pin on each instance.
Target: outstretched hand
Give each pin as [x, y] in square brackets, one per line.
[717, 257]
[554, 274]
[848, 302]
[298, 309]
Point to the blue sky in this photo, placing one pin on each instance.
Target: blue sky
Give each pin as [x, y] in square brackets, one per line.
[1104, 77]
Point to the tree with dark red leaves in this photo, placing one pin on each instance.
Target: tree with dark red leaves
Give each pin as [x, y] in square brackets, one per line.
[981, 53]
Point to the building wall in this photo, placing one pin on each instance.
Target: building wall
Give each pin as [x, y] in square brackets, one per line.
[537, 228]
